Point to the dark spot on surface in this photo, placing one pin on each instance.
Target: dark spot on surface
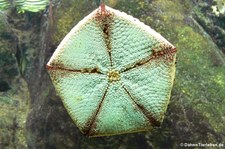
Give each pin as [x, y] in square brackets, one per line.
[4, 86]
[7, 36]
[8, 64]
[95, 70]
[12, 71]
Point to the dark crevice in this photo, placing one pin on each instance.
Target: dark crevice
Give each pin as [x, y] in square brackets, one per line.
[155, 55]
[147, 113]
[91, 123]
[4, 85]
[85, 70]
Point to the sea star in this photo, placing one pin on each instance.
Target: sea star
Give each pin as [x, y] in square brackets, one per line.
[113, 73]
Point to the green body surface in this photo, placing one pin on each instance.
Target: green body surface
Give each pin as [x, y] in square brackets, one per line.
[33, 5]
[114, 74]
[24, 5]
[4, 4]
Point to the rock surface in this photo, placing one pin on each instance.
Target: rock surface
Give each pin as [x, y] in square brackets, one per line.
[195, 113]
[14, 93]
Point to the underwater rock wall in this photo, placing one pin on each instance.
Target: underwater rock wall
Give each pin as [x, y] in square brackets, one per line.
[195, 113]
[14, 93]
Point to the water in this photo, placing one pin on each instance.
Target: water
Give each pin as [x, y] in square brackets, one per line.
[33, 116]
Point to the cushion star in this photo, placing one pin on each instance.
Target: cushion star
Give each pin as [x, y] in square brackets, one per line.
[113, 73]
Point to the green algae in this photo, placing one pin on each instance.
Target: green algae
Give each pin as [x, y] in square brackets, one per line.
[66, 21]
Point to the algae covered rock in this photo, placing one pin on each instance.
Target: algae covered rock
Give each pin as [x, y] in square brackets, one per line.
[14, 94]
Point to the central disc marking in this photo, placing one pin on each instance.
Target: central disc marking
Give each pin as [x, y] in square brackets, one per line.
[113, 75]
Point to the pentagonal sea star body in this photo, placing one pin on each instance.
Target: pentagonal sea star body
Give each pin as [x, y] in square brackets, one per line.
[113, 73]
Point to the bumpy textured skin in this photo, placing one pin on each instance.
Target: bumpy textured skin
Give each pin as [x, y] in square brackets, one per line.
[114, 74]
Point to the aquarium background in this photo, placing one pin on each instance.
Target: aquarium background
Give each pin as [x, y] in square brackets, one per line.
[32, 114]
